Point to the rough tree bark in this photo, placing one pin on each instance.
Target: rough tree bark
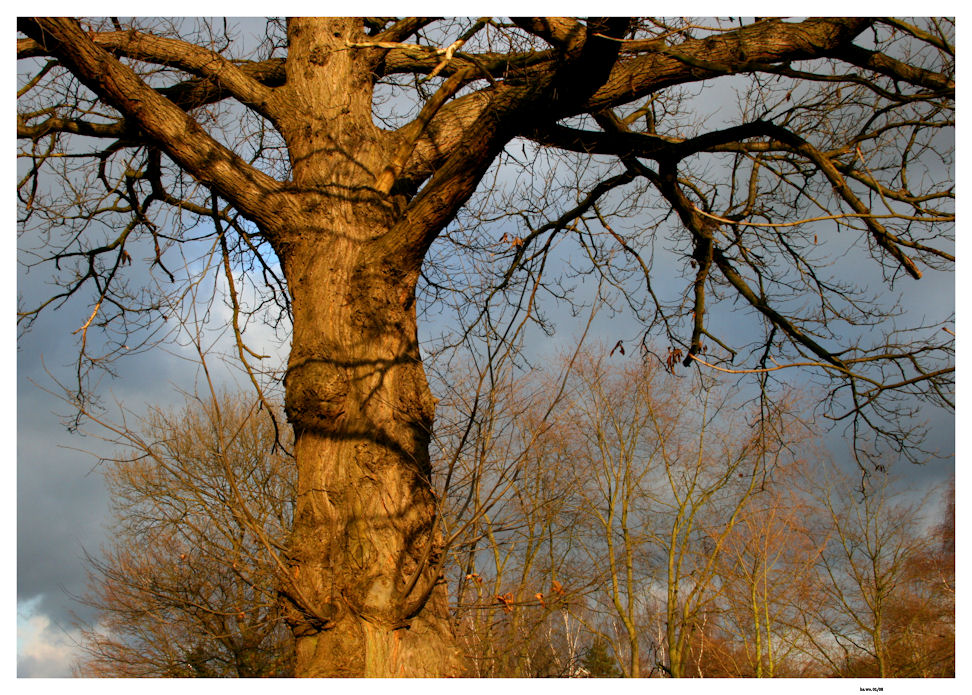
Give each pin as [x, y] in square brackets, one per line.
[365, 547]
[365, 542]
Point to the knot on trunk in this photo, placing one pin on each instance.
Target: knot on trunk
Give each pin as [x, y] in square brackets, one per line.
[316, 394]
[304, 621]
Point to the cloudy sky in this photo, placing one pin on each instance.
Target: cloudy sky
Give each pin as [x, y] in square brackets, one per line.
[61, 497]
[60, 500]
[62, 504]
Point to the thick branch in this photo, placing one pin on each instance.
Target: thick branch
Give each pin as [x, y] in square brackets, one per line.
[732, 52]
[414, 130]
[227, 77]
[506, 111]
[249, 189]
[403, 28]
[563, 32]
[895, 69]
[115, 131]
[741, 50]
[198, 92]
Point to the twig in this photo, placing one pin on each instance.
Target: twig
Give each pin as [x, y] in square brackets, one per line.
[822, 218]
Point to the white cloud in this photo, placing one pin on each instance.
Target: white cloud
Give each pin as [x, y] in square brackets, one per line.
[44, 650]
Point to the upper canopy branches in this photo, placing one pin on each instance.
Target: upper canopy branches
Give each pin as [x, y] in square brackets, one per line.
[651, 56]
[755, 136]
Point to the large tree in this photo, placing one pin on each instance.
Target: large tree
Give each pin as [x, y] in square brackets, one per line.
[327, 160]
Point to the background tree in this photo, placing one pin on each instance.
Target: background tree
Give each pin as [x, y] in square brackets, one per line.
[599, 663]
[351, 146]
[187, 586]
[871, 600]
[612, 445]
[664, 478]
[762, 574]
[642, 518]
[506, 518]
[922, 616]
[617, 515]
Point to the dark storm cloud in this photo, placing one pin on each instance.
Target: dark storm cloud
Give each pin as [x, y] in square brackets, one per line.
[62, 504]
[61, 512]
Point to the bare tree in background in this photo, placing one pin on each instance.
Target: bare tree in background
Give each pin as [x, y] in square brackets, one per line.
[922, 617]
[877, 606]
[345, 171]
[762, 575]
[616, 515]
[187, 586]
[505, 519]
[681, 535]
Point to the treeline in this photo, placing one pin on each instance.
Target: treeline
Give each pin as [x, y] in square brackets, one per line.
[615, 522]
[651, 527]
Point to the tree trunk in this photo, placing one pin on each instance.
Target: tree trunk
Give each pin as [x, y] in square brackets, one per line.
[368, 599]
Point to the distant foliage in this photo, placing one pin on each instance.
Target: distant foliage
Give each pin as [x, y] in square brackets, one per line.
[186, 587]
[599, 662]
